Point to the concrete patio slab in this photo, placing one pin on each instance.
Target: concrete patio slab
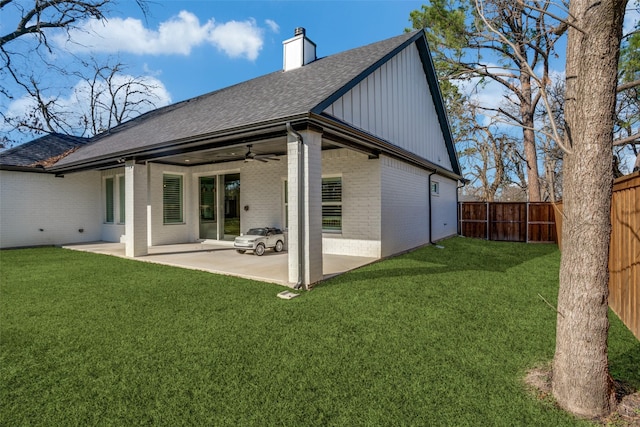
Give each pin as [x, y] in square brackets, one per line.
[221, 258]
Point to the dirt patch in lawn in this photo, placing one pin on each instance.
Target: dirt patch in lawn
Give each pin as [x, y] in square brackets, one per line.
[627, 413]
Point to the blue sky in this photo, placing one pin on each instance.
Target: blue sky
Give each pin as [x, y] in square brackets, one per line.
[333, 25]
[188, 48]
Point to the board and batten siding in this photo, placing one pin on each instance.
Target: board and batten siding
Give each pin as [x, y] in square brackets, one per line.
[395, 104]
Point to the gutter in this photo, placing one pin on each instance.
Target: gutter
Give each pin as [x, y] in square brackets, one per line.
[301, 266]
[33, 169]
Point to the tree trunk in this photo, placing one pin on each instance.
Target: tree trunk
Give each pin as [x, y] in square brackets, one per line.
[529, 138]
[581, 382]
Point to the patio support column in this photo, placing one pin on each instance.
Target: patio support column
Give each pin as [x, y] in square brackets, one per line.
[311, 227]
[135, 177]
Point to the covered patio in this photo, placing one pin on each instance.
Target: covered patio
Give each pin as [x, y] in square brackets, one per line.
[221, 258]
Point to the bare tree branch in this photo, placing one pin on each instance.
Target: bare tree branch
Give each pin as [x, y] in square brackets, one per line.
[635, 138]
[626, 86]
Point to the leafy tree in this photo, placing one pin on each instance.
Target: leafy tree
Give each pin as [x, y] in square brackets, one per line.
[628, 106]
[464, 43]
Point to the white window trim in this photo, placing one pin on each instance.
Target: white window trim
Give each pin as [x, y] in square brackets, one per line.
[285, 203]
[435, 193]
[341, 204]
[183, 197]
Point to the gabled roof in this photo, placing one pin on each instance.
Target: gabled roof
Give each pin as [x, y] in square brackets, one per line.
[271, 98]
[42, 152]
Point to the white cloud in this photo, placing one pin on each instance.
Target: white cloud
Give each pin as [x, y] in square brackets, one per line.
[237, 39]
[176, 36]
[76, 104]
[272, 25]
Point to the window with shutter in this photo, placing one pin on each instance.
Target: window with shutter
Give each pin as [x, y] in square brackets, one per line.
[332, 204]
[172, 199]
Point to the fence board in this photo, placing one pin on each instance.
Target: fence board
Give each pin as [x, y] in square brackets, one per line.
[507, 221]
[624, 251]
[542, 223]
[513, 222]
[473, 219]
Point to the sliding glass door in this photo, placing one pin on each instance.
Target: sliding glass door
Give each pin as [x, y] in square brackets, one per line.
[208, 208]
[231, 206]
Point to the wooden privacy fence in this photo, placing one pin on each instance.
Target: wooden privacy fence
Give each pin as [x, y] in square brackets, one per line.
[624, 251]
[512, 222]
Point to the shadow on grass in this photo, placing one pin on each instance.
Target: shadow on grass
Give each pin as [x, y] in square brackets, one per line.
[624, 353]
[457, 254]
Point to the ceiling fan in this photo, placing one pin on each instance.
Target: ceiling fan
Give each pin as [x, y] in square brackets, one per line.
[250, 156]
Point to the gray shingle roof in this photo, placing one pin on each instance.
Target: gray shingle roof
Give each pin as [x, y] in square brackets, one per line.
[41, 151]
[274, 96]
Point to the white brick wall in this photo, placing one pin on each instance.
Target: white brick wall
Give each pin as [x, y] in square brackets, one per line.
[60, 207]
[444, 209]
[361, 207]
[313, 214]
[262, 190]
[136, 205]
[375, 191]
[405, 206]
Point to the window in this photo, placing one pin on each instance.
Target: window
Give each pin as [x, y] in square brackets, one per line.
[435, 188]
[108, 191]
[121, 198]
[172, 199]
[332, 204]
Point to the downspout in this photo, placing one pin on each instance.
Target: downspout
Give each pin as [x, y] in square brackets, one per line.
[292, 132]
[430, 210]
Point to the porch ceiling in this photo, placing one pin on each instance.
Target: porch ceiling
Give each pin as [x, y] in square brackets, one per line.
[274, 146]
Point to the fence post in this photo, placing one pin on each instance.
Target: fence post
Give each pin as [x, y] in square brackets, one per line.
[459, 218]
[488, 222]
[526, 238]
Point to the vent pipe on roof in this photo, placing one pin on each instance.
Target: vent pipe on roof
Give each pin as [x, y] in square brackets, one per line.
[298, 50]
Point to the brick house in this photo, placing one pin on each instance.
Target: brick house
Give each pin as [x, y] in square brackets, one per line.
[350, 153]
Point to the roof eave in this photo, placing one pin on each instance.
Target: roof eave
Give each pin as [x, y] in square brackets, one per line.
[15, 168]
[238, 135]
[373, 142]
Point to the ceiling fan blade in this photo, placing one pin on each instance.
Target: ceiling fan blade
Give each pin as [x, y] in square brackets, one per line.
[266, 157]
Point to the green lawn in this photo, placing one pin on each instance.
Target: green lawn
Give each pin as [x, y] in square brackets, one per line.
[433, 337]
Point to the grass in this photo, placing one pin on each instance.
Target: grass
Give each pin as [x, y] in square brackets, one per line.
[433, 337]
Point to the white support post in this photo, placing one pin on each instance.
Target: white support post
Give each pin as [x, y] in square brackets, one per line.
[136, 193]
[311, 226]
